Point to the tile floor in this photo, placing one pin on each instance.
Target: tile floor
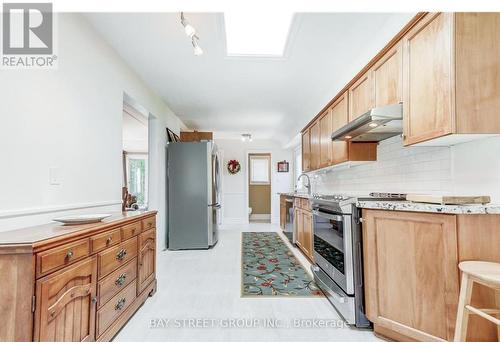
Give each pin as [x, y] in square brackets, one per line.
[205, 285]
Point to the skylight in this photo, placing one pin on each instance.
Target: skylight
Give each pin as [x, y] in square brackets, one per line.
[257, 34]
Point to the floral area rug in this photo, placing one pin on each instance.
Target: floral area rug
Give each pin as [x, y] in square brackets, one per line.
[269, 268]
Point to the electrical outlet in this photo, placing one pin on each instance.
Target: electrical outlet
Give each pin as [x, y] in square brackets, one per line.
[54, 176]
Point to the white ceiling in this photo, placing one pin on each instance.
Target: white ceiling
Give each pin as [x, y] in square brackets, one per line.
[270, 98]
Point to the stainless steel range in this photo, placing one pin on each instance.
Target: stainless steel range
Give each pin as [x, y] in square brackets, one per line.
[338, 252]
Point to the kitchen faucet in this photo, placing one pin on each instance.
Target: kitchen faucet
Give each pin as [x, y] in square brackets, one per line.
[308, 186]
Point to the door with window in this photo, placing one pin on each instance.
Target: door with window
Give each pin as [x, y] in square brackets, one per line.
[259, 189]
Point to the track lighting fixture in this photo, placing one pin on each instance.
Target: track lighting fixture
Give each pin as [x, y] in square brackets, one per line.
[191, 33]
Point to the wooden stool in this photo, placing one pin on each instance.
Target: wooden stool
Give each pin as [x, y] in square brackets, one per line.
[484, 273]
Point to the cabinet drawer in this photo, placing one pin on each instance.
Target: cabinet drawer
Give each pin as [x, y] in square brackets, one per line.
[112, 258]
[297, 203]
[116, 281]
[131, 230]
[104, 240]
[304, 204]
[115, 307]
[59, 257]
[148, 223]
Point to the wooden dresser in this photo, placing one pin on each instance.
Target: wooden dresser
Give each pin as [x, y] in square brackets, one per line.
[76, 283]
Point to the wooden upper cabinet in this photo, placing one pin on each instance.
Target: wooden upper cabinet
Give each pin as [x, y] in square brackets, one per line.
[428, 79]
[325, 140]
[361, 97]
[315, 145]
[451, 78]
[66, 304]
[411, 274]
[340, 117]
[306, 151]
[387, 76]
[477, 51]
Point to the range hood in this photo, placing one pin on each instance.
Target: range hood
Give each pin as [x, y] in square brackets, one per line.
[375, 125]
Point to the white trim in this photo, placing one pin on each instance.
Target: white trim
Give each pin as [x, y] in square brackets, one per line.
[55, 208]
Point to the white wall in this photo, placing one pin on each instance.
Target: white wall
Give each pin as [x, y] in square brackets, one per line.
[234, 187]
[71, 118]
[476, 168]
[470, 168]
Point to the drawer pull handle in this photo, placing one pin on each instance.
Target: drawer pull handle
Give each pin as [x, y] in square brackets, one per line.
[120, 304]
[121, 279]
[121, 254]
[69, 255]
[108, 240]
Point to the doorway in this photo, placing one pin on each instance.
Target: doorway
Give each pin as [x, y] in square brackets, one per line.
[135, 158]
[259, 187]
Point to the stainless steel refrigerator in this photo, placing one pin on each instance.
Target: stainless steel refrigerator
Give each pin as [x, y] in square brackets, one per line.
[193, 195]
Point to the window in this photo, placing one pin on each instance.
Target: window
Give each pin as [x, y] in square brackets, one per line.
[259, 169]
[137, 177]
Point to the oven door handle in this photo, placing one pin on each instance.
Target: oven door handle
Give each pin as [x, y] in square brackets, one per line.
[340, 298]
[338, 218]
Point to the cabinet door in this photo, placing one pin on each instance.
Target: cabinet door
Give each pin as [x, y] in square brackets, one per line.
[388, 78]
[325, 140]
[307, 234]
[299, 226]
[315, 147]
[306, 151]
[428, 79]
[361, 96]
[411, 274]
[66, 305]
[282, 212]
[340, 117]
[147, 259]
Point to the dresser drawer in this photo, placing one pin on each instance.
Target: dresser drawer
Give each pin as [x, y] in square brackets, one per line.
[131, 230]
[116, 281]
[104, 240]
[115, 307]
[148, 223]
[56, 258]
[112, 258]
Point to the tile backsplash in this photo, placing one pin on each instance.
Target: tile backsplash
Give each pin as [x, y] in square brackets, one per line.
[397, 169]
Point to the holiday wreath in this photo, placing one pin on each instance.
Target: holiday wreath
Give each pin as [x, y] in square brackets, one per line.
[233, 166]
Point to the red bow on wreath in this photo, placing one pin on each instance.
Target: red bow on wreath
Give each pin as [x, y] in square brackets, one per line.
[233, 166]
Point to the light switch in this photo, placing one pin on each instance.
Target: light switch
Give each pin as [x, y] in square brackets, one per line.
[54, 176]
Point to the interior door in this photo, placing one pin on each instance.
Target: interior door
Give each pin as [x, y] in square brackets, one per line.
[66, 304]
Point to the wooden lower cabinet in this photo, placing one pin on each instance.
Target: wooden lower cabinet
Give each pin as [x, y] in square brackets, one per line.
[303, 226]
[69, 291]
[147, 259]
[283, 212]
[66, 304]
[412, 276]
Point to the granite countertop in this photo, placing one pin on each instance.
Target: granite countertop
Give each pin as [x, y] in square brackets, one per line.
[418, 207]
[293, 194]
[430, 208]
